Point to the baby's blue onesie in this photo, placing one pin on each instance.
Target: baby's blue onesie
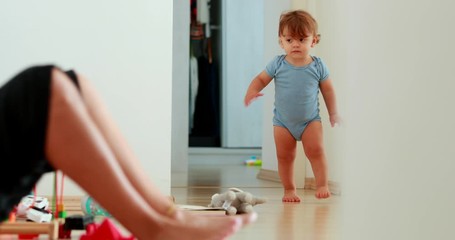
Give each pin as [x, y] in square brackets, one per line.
[296, 93]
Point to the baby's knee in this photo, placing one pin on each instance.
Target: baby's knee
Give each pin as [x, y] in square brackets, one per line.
[314, 152]
[286, 157]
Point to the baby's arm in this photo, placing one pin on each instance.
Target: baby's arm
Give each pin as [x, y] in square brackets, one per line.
[256, 86]
[328, 92]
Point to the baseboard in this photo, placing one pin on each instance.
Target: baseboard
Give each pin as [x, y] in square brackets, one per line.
[223, 151]
[269, 175]
[310, 183]
[199, 155]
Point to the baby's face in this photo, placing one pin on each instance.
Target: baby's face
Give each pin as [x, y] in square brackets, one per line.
[296, 47]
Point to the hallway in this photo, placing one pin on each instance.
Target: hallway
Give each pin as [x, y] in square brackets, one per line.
[312, 219]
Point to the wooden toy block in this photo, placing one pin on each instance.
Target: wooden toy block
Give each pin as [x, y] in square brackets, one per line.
[29, 228]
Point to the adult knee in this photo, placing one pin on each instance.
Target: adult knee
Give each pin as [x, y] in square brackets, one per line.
[62, 89]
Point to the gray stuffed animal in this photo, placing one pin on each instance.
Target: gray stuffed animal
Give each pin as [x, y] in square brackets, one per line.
[236, 201]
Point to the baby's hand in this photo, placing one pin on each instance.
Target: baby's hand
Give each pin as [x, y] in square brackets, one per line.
[335, 120]
[250, 97]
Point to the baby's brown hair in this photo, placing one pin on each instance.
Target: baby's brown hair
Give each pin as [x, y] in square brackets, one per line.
[300, 24]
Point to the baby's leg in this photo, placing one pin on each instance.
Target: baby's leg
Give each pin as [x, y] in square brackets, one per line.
[312, 140]
[75, 146]
[285, 151]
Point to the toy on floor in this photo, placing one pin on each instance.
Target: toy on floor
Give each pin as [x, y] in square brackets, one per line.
[34, 208]
[253, 161]
[105, 230]
[30, 230]
[27, 236]
[236, 201]
[74, 222]
[91, 207]
[38, 215]
[31, 200]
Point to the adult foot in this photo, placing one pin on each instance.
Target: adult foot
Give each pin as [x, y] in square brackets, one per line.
[290, 196]
[204, 227]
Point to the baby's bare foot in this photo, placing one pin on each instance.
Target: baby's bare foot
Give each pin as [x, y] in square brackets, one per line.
[322, 192]
[290, 196]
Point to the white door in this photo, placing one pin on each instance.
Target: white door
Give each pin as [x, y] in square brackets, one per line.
[242, 59]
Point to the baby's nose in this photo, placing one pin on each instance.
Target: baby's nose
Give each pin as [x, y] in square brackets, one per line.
[295, 43]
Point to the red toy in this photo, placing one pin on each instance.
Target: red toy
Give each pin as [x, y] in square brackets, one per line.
[28, 236]
[103, 231]
[63, 233]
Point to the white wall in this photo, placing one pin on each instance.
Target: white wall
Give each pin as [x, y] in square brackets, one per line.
[124, 47]
[399, 168]
[180, 86]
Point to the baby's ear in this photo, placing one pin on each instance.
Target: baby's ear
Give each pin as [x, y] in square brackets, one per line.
[317, 39]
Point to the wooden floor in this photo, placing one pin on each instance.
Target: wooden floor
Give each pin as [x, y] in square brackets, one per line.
[312, 219]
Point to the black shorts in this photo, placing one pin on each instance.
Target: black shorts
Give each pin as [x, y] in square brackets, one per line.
[24, 108]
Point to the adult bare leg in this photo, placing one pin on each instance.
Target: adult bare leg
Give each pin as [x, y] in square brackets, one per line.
[75, 146]
[121, 149]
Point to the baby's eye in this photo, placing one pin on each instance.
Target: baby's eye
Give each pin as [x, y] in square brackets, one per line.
[302, 40]
[289, 40]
